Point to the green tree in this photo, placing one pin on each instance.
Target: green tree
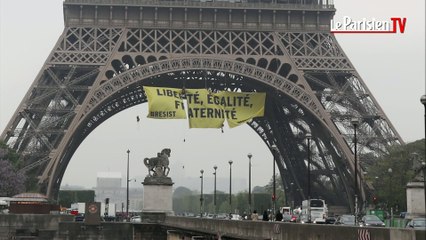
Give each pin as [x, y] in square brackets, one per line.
[183, 200]
[390, 185]
[279, 190]
[259, 189]
[181, 192]
[222, 199]
[67, 197]
[9, 154]
[261, 201]
[241, 202]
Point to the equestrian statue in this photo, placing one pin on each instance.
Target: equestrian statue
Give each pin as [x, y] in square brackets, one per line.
[158, 166]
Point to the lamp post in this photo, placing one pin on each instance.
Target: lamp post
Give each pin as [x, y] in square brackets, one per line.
[249, 190]
[423, 101]
[355, 123]
[274, 196]
[230, 183]
[214, 198]
[127, 187]
[292, 195]
[424, 182]
[390, 186]
[390, 196]
[309, 137]
[201, 196]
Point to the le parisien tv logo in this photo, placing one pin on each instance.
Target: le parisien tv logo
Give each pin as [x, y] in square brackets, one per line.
[348, 25]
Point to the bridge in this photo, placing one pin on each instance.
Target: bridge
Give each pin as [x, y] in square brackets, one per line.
[53, 227]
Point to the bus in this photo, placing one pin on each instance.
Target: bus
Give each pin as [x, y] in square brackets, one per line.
[317, 209]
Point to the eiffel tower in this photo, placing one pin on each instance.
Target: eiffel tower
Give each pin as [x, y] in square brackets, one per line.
[110, 49]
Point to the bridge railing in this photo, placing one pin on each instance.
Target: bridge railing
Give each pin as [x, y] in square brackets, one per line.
[281, 230]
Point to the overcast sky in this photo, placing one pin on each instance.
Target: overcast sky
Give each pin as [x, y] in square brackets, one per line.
[392, 66]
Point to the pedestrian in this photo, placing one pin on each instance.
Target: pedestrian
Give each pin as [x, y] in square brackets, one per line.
[278, 216]
[271, 215]
[265, 216]
[254, 216]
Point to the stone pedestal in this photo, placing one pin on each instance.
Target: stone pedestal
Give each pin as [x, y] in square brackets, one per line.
[92, 213]
[157, 199]
[415, 200]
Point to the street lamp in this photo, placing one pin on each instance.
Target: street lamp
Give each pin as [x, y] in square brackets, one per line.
[249, 190]
[201, 197]
[309, 137]
[355, 123]
[423, 101]
[230, 183]
[424, 182]
[292, 195]
[214, 198]
[274, 152]
[127, 186]
[390, 195]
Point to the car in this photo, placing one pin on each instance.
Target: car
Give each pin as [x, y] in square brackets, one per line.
[330, 220]
[417, 223]
[371, 221]
[136, 219]
[402, 214]
[304, 218]
[79, 217]
[295, 218]
[287, 218]
[235, 217]
[222, 216]
[319, 220]
[345, 220]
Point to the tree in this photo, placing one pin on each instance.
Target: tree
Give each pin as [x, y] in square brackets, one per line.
[183, 200]
[67, 197]
[181, 192]
[259, 189]
[389, 185]
[279, 190]
[9, 155]
[11, 181]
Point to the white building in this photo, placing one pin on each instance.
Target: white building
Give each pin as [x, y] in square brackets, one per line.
[109, 185]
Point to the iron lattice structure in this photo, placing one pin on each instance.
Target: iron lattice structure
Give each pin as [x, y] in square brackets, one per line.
[110, 49]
